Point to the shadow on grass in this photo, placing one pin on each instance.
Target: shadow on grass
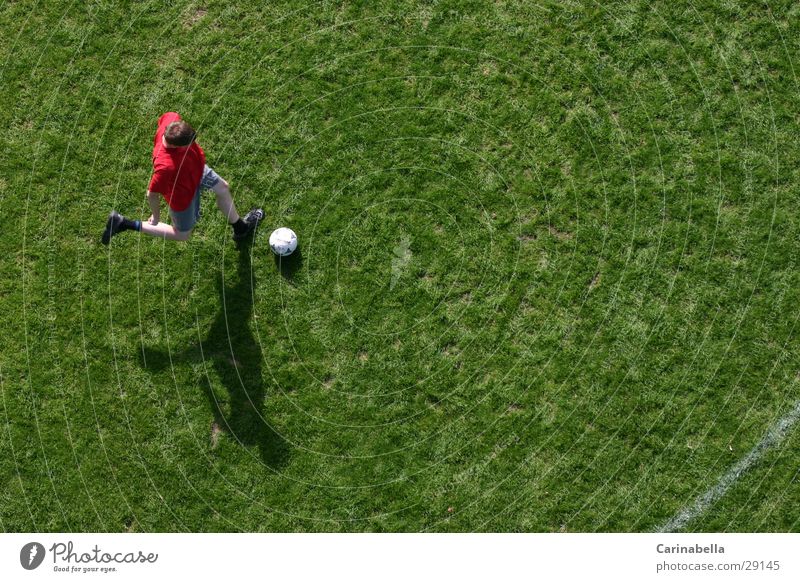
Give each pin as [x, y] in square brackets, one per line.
[288, 266]
[232, 349]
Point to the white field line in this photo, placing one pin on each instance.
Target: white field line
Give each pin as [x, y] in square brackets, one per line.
[776, 434]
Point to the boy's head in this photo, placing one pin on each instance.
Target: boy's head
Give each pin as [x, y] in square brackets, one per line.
[179, 133]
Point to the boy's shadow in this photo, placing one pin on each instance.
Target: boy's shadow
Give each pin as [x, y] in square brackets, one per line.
[231, 347]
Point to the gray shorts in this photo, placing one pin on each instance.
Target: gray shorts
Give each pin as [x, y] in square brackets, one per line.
[184, 220]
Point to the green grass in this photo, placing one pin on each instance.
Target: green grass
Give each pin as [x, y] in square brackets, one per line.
[549, 273]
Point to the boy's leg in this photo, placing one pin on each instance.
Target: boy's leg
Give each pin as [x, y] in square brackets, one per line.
[241, 227]
[225, 201]
[117, 223]
[183, 222]
[166, 231]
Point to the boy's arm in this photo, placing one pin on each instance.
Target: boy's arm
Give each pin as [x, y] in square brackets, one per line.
[154, 201]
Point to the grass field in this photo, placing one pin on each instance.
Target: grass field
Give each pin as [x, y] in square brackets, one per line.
[548, 277]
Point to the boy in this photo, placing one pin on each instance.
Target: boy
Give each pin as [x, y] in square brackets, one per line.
[180, 174]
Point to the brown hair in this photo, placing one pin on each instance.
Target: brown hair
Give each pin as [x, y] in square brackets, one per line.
[179, 133]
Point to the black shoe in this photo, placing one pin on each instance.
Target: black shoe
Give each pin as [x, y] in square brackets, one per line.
[251, 219]
[113, 224]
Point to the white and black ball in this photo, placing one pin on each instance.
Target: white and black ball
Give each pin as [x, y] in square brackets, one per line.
[283, 241]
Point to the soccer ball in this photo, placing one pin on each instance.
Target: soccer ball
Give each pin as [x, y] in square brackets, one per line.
[283, 241]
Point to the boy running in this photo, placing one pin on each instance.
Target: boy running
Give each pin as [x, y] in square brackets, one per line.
[180, 174]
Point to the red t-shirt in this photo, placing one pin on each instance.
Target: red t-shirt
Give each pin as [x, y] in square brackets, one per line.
[177, 172]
